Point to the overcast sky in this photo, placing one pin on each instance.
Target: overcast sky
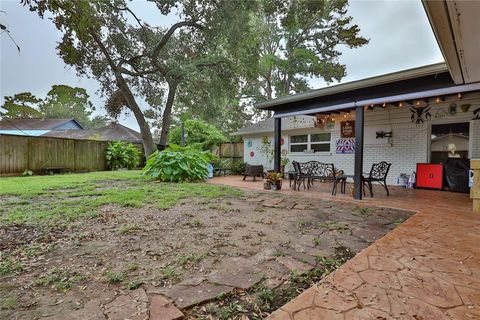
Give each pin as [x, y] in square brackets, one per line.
[399, 32]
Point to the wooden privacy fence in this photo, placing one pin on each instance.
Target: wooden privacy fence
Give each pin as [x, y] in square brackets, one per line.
[231, 150]
[20, 153]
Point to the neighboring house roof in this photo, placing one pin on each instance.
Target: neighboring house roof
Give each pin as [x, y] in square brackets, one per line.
[112, 132]
[288, 123]
[35, 124]
[33, 133]
[450, 135]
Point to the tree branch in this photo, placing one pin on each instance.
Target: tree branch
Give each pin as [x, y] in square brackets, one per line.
[169, 34]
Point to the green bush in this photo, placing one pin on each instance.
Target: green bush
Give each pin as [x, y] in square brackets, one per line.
[179, 164]
[238, 167]
[197, 133]
[122, 155]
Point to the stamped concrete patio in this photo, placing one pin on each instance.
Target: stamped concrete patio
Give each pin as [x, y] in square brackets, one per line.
[427, 268]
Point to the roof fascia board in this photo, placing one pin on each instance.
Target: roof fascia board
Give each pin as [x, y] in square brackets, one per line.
[359, 84]
[439, 18]
[386, 99]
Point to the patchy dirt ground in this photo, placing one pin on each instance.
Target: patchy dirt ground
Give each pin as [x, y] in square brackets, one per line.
[226, 258]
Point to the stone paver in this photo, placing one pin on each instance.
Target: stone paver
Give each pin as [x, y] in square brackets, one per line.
[235, 272]
[162, 309]
[132, 306]
[427, 268]
[185, 296]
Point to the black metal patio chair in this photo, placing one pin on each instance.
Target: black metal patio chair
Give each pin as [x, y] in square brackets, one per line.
[378, 173]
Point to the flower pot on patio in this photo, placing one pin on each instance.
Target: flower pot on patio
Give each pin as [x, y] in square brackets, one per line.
[267, 184]
[274, 179]
[277, 185]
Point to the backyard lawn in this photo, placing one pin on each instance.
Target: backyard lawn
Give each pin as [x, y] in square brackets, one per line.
[111, 245]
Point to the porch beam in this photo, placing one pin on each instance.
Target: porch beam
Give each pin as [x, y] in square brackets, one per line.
[277, 145]
[359, 124]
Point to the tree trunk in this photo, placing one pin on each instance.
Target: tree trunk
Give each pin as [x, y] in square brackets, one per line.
[148, 144]
[167, 113]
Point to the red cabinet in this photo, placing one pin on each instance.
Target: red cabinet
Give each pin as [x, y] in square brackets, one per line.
[429, 175]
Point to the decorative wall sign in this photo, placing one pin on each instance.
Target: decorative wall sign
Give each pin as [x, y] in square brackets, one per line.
[347, 129]
[345, 146]
[420, 114]
[452, 109]
[252, 154]
[465, 107]
[249, 143]
[476, 113]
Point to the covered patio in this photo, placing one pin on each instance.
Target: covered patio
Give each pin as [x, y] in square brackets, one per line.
[427, 268]
[417, 93]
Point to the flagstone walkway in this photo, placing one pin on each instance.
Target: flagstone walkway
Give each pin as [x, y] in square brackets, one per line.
[427, 268]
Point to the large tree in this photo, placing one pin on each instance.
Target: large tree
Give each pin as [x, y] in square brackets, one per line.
[21, 105]
[132, 60]
[300, 40]
[63, 101]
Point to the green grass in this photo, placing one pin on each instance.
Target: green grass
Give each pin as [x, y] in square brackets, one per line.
[54, 200]
[114, 277]
[8, 266]
[168, 273]
[8, 303]
[190, 259]
[60, 279]
[129, 228]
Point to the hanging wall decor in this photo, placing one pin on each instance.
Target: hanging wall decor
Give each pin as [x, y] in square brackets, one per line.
[452, 109]
[347, 129]
[249, 143]
[345, 146]
[420, 114]
[252, 154]
[476, 114]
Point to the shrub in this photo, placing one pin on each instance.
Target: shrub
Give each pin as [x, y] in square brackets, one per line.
[238, 167]
[122, 155]
[179, 164]
[199, 133]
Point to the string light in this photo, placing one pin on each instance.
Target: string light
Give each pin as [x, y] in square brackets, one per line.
[418, 102]
[384, 105]
[400, 104]
[459, 95]
[437, 100]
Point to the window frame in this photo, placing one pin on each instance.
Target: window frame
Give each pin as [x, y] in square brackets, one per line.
[309, 143]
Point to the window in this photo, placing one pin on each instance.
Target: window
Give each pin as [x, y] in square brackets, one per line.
[299, 143]
[317, 142]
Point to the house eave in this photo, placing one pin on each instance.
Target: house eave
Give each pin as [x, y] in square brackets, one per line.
[355, 85]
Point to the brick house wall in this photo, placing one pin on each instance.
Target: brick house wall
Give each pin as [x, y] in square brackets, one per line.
[409, 145]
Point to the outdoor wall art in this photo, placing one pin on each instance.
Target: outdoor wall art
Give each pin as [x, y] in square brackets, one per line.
[347, 129]
[420, 114]
[249, 143]
[252, 154]
[476, 114]
[345, 146]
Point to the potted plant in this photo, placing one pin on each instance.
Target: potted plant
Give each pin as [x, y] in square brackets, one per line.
[284, 161]
[274, 179]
